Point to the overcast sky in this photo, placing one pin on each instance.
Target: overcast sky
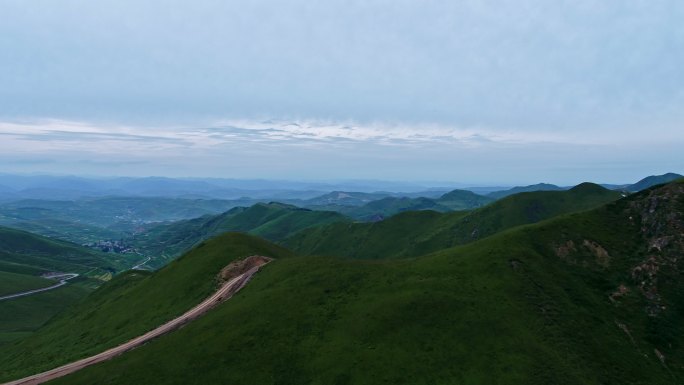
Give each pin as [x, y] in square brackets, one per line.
[497, 92]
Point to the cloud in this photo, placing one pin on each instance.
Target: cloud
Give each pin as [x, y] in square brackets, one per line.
[334, 149]
[59, 135]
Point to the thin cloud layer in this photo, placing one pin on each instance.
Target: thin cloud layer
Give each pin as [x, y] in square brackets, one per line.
[53, 134]
[308, 149]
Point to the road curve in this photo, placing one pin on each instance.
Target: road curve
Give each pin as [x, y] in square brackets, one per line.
[225, 292]
[141, 264]
[63, 281]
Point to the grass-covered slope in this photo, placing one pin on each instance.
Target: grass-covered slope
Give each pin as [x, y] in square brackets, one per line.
[589, 298]
[417, 233]
[24, 257]
[521, 189]
[24, 252]
[129, 305]
[12, 283]
[20, 317]
[89, 220]
[273, 221]
[654, 180]
[385, 207]
[463, 200]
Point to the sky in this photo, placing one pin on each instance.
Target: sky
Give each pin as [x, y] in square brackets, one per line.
[475, 92]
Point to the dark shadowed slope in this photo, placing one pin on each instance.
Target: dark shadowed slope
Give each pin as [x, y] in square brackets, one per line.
[653, 180]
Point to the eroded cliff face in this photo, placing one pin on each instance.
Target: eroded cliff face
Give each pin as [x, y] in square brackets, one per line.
[660, 217]
[636, 246]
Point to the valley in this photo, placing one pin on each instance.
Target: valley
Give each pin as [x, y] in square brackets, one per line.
[587, 278]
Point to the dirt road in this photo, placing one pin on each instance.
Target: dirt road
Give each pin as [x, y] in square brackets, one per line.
[225, 292]
[63, 278]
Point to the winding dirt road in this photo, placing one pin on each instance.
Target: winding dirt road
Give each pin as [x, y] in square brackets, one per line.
[225, 292]
[63, 278]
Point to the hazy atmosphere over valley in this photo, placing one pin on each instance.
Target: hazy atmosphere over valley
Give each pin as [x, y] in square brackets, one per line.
[341, 192]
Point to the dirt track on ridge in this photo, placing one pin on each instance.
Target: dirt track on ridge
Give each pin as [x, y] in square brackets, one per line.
[245, 268]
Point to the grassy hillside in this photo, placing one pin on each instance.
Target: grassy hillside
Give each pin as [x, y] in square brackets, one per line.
[654, 180]
[27, 253]
[463, 200]
[12, 283]
[521, 189]
[272, 221]
[386, 207]
[343, 198]
[131, 304]
[24, 257]
[587, 298]
[20, 317]
[413, 234]
[90, 220]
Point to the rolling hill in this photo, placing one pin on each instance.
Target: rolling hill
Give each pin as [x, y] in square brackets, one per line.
[653, 180]
[93, 219]
[24, 257]
[272, 221]
[416, 233]
[26, 253]
[520, 189]
[379, 209]
[587, 298]
[134, 302]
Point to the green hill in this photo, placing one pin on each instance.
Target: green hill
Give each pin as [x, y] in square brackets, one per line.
[272, 221]
[24, 257]
[90, 220]
[463, 200]
[11, 283]
[521, 189]
[588, 298]
[344, 198]
[130, 304]
[27, 253]
[654, 180]
[386, 207]
[414, 233]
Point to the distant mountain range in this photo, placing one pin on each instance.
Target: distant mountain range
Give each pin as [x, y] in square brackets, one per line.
[348, 193]
[72, 187]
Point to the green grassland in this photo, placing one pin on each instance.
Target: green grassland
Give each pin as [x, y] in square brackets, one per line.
[24, 257]
[416, 233]
[20, 317]
[129, 305]
[535, 304]
[24, 252]
[385, 207]
[13, 283]
[272, 221]
[89, 220]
